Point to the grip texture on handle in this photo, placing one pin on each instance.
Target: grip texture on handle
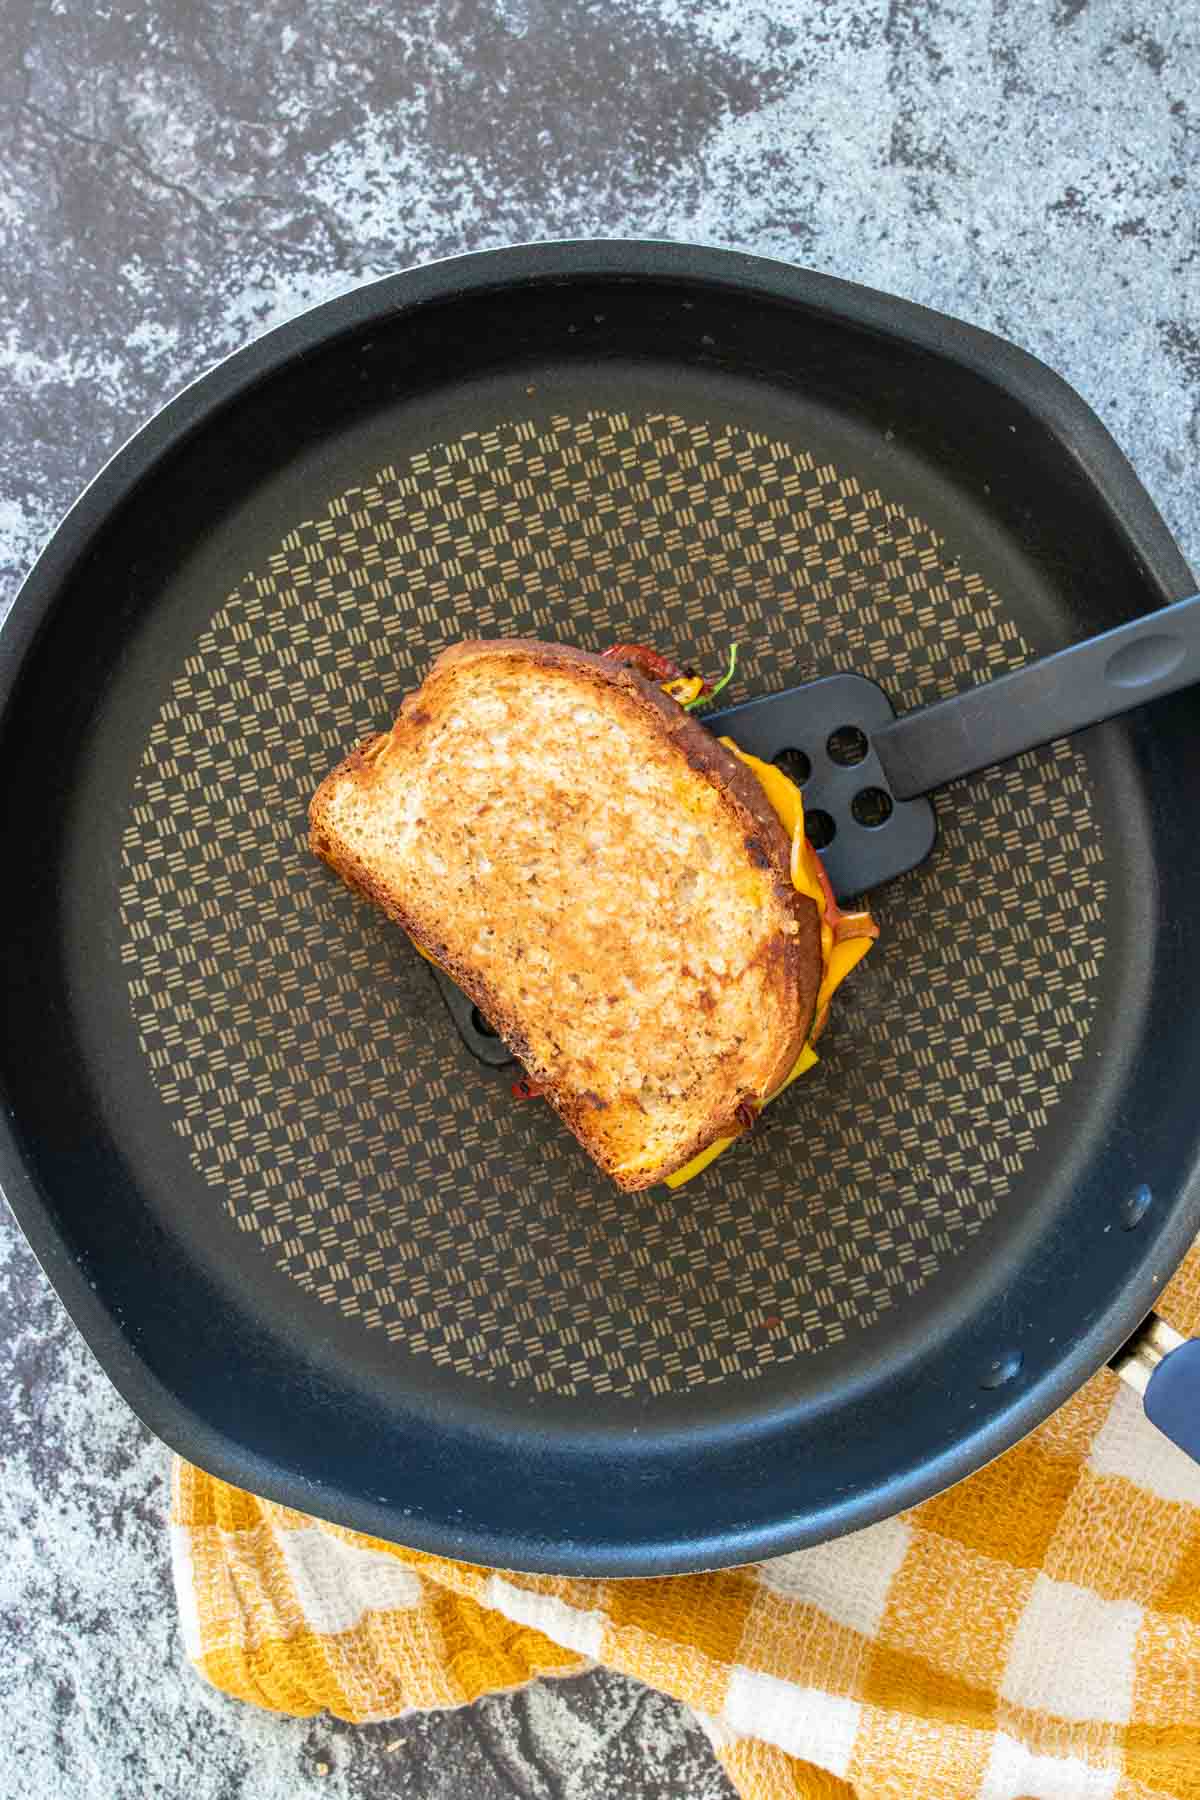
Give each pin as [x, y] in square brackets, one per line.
[1099, 679]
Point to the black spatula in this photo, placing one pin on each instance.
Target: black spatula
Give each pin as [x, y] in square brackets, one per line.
[865, 771]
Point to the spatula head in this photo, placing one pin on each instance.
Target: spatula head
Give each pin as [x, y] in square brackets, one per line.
[821, 735]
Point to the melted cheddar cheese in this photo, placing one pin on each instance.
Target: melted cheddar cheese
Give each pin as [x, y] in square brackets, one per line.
[845, 937]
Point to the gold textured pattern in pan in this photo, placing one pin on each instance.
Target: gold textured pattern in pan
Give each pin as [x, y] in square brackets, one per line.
[301, 1048]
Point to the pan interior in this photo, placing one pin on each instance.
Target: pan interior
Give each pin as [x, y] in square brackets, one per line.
[343, 1147]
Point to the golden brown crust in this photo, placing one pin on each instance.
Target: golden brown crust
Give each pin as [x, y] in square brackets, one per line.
[792, 953]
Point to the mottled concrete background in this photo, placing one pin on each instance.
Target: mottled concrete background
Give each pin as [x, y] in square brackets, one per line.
[175, 179]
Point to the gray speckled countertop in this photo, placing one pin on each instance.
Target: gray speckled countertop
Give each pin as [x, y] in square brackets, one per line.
[180, 178]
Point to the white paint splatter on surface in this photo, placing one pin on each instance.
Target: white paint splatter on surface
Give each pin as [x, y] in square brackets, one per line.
[169, 200]
[175, 186]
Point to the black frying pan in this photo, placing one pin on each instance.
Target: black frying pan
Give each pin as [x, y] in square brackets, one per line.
[304, 1230]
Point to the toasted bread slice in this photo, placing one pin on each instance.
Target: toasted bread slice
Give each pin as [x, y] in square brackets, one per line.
[605, 880]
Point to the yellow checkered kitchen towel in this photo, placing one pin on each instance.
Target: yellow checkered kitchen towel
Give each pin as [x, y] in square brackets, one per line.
[1035, 1631]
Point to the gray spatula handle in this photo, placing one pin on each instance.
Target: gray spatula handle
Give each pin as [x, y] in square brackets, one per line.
[1098, 679]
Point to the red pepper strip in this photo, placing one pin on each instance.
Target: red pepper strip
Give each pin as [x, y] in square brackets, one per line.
[844, 925]
[648, 662]
[526, 1089]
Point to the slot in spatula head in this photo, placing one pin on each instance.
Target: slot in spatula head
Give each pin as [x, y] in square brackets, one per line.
[821, 734]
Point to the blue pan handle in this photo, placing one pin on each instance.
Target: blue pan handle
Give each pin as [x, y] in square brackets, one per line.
[1104, 676]
[1165, 1369]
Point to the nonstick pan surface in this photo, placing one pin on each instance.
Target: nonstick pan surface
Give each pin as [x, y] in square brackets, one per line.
[311, 1238]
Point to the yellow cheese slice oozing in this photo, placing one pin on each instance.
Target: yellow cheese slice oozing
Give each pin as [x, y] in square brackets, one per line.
[787, 803]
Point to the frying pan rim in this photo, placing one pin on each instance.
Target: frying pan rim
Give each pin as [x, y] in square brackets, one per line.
[1011, 370]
